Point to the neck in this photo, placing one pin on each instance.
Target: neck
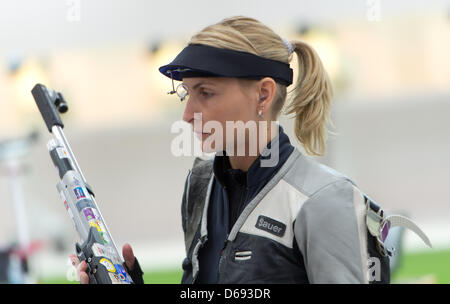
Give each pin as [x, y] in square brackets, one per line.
[244, 162]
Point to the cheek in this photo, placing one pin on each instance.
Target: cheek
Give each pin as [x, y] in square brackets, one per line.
[229, 108]
[235, 108]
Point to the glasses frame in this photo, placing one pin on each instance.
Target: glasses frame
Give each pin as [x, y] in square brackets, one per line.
[173, 91]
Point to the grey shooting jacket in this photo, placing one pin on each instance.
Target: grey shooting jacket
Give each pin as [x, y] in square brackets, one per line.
[335, 225]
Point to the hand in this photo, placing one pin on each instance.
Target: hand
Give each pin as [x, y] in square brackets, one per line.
[81, 269]
[127, 253]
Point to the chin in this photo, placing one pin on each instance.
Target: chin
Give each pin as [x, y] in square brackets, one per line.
[206, 148]
[210, 146]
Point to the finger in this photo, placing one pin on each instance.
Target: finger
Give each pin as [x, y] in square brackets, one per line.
[74, 259]
[84, 278]
[81, 272]
[82, 266]
[128, 255]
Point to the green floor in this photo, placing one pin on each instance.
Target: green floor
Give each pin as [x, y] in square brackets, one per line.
[428, 267]
[430, 264]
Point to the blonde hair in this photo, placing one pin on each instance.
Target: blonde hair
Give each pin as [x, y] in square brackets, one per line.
[312, 94]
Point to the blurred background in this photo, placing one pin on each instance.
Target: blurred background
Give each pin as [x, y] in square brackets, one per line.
[390, 67]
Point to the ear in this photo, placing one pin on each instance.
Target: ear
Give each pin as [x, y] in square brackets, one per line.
[267, 88]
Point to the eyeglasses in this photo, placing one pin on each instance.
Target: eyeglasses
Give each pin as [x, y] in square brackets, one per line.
[181, 89]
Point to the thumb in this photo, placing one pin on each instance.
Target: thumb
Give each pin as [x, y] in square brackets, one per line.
[128, 255]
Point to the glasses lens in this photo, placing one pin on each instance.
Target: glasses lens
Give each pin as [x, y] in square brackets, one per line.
[182, 91]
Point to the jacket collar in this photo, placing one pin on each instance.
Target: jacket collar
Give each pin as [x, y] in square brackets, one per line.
[256, 173]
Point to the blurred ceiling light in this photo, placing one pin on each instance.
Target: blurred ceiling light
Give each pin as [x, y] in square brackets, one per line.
[25, 77]
[154, 46]
[326, 47]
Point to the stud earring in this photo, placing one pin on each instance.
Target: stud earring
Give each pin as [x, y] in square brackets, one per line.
[260, 112]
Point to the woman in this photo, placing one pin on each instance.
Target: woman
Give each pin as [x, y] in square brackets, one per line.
[274, 215]
[294, 221]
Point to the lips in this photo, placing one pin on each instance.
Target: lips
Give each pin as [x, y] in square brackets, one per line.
[198, 131]
[201, 135]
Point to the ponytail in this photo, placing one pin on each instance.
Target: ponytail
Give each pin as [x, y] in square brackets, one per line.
[311, 100]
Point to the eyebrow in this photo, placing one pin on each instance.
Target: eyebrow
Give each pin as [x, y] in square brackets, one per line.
[200, 83]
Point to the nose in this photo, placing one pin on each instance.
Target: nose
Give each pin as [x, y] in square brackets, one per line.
[189, 110]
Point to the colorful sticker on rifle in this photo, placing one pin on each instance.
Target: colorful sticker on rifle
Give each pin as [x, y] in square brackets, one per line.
[98, 250]
[79, 193]
[101, 230]
[104, 251]
[66, 205]
[96, 213]
[114, 278]
[121, 272]
[95, 224]
[89, 213]
[61, 152]
[107, 263]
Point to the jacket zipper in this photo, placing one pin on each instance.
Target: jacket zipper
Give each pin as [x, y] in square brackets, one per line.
[222, 255]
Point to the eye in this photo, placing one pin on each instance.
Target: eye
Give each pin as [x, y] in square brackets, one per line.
[206, 94]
